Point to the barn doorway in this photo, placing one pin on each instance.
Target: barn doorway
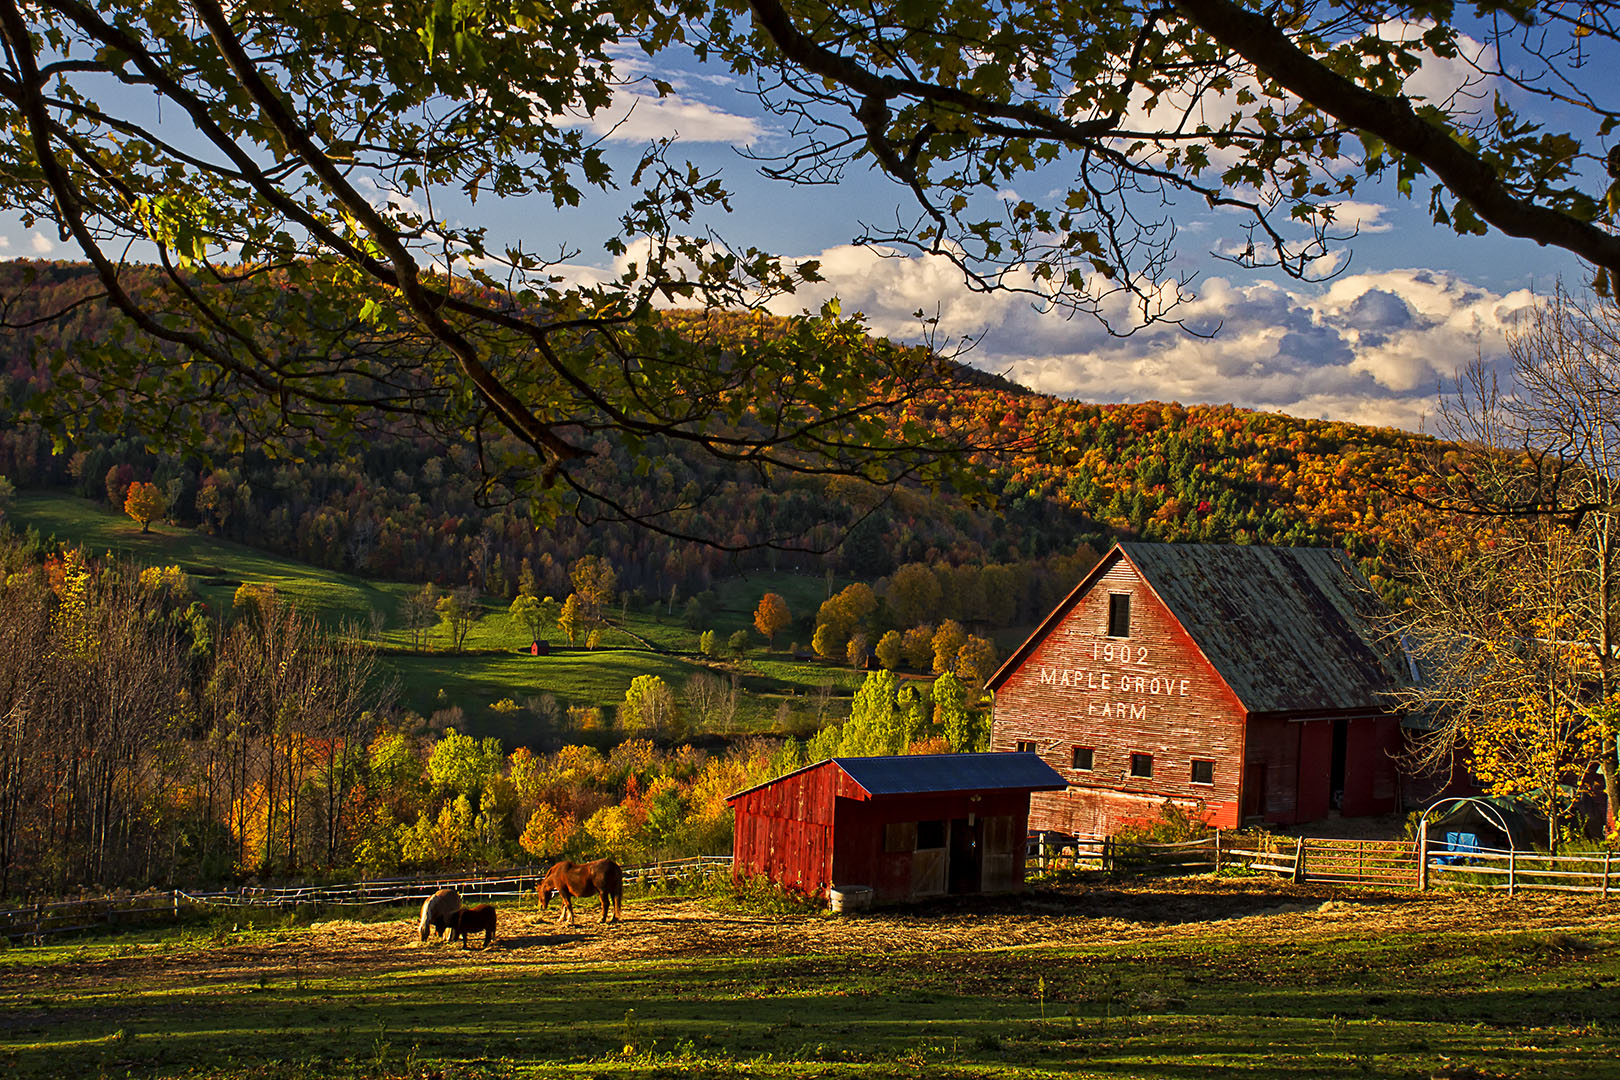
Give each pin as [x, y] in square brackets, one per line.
[1341, 740]
[966, 873]
[1254, 790]
[929, 862]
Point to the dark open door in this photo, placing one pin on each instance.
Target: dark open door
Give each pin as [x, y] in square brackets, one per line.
[1254, 789]
[967, 856]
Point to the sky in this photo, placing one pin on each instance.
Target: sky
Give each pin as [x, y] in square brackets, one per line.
[1376, 343]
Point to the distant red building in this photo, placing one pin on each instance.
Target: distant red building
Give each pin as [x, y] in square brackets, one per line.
[909, 827]
[1240, 683]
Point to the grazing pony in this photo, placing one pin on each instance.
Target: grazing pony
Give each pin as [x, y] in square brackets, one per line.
[474, 919]
[570, 879]
[439, 912]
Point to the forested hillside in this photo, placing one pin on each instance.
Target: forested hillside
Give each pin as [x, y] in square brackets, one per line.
[409, 509]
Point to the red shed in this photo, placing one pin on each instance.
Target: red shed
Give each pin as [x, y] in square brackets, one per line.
[909, 827]
[1241, 683]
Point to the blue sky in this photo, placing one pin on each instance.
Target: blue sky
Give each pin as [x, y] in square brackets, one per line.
[1374, 344]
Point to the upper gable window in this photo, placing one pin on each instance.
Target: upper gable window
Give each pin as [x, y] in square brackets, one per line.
[1119, 614]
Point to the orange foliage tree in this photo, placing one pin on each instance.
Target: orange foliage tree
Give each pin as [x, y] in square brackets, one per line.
[772, 616]
[145, 503]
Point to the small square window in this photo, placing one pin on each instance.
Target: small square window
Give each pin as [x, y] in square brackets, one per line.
[1203, 772]
[1142, 765]
[1026, 746]
[1082, 758]
[1119, 614]
[930, 834]
[900, 836]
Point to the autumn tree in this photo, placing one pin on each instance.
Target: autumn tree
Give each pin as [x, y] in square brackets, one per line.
[420, 610]
[145, 503]
[569, 618]
[1517, 605]
[888, 650]
[914, 595]
[948, 642]
[917, 645]
[975, 662]
[459, 610]
[772, 616]
[533, 614]
[595, 582]
[649, 705]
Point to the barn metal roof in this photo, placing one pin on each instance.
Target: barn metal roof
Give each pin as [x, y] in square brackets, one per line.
[1290, 630]
[921, 774]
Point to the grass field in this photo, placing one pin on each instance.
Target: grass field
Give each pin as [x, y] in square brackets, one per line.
[497, 665]
[1194, 978]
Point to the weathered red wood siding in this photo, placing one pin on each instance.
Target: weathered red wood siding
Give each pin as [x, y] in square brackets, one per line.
[784, 830]
[815, 829]
[1152, 693]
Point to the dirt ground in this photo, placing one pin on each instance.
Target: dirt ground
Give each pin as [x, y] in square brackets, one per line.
[685, 928]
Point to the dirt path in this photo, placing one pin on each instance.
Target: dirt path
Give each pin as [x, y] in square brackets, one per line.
[687, 929]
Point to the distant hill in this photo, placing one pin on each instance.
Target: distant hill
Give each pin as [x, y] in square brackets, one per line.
[405, 510]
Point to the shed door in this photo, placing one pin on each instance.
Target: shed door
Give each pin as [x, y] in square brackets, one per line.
[931, 859]
[1003, 871]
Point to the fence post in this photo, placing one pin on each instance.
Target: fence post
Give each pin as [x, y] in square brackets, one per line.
[1608, 858]
[1423, 855]
[1513, 856]
[1299, 861]
[1217, 851]
[1107, 849]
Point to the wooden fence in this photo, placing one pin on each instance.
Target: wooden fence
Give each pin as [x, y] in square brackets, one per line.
[1405, 864]
[43, 920]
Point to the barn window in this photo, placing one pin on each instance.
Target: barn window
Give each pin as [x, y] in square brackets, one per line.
[930, 834]
[1119, 614]
[1142, 765]
[1203, 772]
[1082, 758]
[1026, 746]
[900, 836]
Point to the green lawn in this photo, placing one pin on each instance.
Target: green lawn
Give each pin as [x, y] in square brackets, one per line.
[497, 665]
[1084, 982]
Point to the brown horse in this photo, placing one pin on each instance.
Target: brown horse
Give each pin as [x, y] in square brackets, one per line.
[569, 879]
[438, 912]
[474, 919]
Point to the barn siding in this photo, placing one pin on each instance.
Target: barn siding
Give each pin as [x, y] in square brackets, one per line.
[784, 831]
[1068, 693]
[811, 830]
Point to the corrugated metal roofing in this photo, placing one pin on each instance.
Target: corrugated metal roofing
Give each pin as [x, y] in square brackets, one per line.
[918, 774]
[1288, 629]
[921, 773]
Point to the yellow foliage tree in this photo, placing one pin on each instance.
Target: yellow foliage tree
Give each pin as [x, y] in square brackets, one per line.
[145, 503]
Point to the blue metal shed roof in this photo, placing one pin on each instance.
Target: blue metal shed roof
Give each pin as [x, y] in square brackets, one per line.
[920, 774]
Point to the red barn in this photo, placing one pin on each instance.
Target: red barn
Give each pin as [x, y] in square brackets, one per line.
[909, 827]
[1240, 683]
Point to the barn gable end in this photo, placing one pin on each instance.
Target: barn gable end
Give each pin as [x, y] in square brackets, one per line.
[1230, 681]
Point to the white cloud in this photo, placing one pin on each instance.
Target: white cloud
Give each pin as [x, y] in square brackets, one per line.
[634, 117]
[41, 244]
[1372, 347]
